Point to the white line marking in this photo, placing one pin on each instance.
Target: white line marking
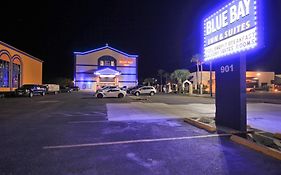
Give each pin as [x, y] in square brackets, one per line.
[134, 141]
[101, 113]
[78, 122]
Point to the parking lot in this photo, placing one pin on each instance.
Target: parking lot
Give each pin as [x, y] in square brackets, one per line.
[76, 133]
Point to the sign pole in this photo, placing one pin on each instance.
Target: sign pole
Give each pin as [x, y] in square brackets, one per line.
[231, 93]
[234, 28]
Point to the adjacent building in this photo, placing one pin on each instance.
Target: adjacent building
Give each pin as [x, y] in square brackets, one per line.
[260, 79]
[105, 66]
[253, 79]
[18, 68]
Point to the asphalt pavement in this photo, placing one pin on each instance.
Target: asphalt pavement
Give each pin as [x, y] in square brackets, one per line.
[72, 134]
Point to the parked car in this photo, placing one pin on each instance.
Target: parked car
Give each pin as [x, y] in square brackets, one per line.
[104, 88]
[248, 89]
[65, 89]
[124, 88]
[75, 88]
[148, 90]
[52, 88]
[131, 89]
[118, 93]
[31, 90]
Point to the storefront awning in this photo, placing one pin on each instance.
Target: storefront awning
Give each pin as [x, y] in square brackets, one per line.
[107, 72]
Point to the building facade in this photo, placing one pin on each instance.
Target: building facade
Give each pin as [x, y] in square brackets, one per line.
[205, 76]
[18, 68]
[260, 79]
[253, 79]
[103, 67]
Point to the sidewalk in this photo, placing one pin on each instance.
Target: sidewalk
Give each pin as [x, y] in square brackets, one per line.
[201, 95]
[190, 95]
[250, 98]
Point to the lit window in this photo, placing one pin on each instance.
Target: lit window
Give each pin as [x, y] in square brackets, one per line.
[107, 61]
[4, 73]
[112, 63]
[16, 76]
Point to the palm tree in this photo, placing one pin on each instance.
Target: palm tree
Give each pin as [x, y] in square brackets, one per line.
[180, 76]
[196, 59]
[160, 74]
[166, 75]
[199, 62]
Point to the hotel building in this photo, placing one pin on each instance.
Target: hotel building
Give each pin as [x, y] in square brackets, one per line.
[103, 67]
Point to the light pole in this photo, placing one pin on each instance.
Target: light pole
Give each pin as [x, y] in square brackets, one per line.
[211, 79]
[201, 78]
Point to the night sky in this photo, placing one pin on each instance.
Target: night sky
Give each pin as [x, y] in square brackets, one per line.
[164, 33]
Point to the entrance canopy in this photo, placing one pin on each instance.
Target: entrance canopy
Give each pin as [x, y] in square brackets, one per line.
[107, 72]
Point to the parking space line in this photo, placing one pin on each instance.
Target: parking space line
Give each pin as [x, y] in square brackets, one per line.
[81, 122]
[135, 141]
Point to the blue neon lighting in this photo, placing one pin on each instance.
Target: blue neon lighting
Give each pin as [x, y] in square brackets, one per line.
[107, 71]
[106, 47]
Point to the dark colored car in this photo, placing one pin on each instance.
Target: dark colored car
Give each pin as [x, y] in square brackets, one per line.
[75, 88]
[131, 89]
[65, 89]
[31, 90]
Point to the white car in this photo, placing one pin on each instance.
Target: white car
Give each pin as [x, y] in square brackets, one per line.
[118, 93]
[105, 88]
[148, 90]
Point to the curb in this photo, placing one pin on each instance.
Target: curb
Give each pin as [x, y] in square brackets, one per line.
[277, 136]
[265, 150]
[201, 96]
[201, 125]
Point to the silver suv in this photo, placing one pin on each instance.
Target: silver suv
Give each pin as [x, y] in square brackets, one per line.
[148, 90]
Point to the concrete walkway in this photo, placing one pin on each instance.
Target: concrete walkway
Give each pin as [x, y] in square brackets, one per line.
[262, 116]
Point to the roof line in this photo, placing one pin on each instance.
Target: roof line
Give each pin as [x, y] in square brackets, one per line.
[20, 51]
[107, 68]
[105, 47]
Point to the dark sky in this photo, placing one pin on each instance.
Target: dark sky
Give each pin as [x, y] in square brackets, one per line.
[165, 33]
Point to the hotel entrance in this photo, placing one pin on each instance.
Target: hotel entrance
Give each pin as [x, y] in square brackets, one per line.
[106, 77]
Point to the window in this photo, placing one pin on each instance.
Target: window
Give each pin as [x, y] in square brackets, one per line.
[114, 90]
[107, 61]
[4, 73]
[112, 63]
[16, 76]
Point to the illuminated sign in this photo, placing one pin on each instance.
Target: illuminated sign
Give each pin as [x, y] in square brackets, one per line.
[126, 62]
[232, 29]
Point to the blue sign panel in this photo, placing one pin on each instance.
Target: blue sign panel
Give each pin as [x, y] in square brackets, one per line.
[232, 29]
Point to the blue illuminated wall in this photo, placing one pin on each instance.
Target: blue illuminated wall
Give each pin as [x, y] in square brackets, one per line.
[88, 63]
